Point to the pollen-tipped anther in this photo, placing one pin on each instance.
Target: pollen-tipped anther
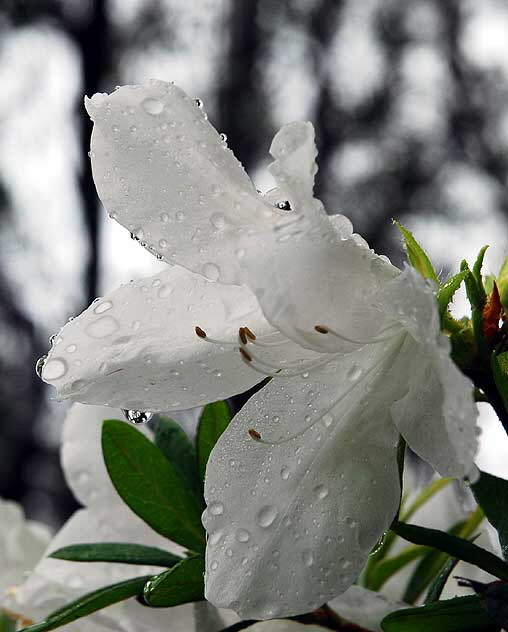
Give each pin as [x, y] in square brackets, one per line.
[250, 334]
[321, 329]
[254, 434]
[200, 332]
[242, 334]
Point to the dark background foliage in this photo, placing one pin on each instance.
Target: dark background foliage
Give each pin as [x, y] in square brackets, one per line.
[409, 104]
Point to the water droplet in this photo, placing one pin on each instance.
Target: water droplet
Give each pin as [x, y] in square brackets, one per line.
[52, 339]
[354, 373]
[308, 558]
[321, 491]
[284, 473]
[54, 369]
[152, 106]
[214, 565]
[242, 535]
[164, 290]
[133, 129]
[327, 420]
[223, 138]
[137, 416]
[199, 103]
[103, 307]
[164, 217]
[215, 537]
[211, 271]
[71, 348]
[180, 216]
[266, 516]
[284, 205]
[216, 508]
[39, 365]
[102, 327]
[218, 221]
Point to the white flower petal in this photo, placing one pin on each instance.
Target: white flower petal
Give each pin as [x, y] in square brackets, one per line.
[291, 524]
[22, 544]
[314, 270]
[437, 417]
[137, 348]
[365, 607]
[164, 173]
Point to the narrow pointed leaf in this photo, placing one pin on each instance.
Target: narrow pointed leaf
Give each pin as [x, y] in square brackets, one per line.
[491, 494]
[477, 271]
[462, 614]
[6, 623]
[118, 553]
[149, 485]
[176, 446]
[182, 584]
[454, 546]
[477, 299]
[446, 292]
[390, 566]
[214, 420]
[499, 366]
[437, 586]
[87, 604]
[502, 283]
[417, 255]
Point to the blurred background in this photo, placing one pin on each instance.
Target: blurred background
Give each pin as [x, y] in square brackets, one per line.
[408, 99]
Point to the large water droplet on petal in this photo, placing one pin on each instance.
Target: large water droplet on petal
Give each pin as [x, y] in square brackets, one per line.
[103, 307]
[152, 106]
[102, 327]
[321, 491]
[242, 535]
[266, 516]
[216, 508]
[211, 271]
[308, 558]
[54, 369]
[354, 373]
[138, 416]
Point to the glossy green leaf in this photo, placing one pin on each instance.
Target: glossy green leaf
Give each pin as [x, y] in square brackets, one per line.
[6, 623]
[176, 446]
[118, 553]
[149, 485]
[437, 586]
[477, 298]
[493, 597]
[417, 255]
[454, 546]
[388, 567]
[214, 420]
[445, 294]
[491, 494]
[87, 604]
[477, 271]
[499, 366]
[462, 614]
[502, 284]
[182, 584]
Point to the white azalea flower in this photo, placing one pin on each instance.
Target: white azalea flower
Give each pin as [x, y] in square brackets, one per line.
[22, 543]
[353, 345]
[104, 518]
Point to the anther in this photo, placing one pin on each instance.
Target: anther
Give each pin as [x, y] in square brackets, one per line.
[321, 329]
[249, 333]
[245, 354]
[200, 332]
[254, 434]
[242, 334]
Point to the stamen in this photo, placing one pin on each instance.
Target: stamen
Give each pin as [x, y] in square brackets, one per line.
[323, 329]
[200, 332]
[254, 434]
[242, 334]
[245, 354]
[249, 333]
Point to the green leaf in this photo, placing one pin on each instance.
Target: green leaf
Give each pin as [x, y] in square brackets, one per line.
[149, 485]
[174, 443]
[488, 284]
[445, 294]
[437, 586]
[214, 420]
[87, 604]
[462, 614]
[502, 284]
[477, 272]
[499, 366]
[454, 546]
[182, 584]
[118, 553]
[491, 494]
[477, 299]
[417, 255]
[6, 623]
[381, 573]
